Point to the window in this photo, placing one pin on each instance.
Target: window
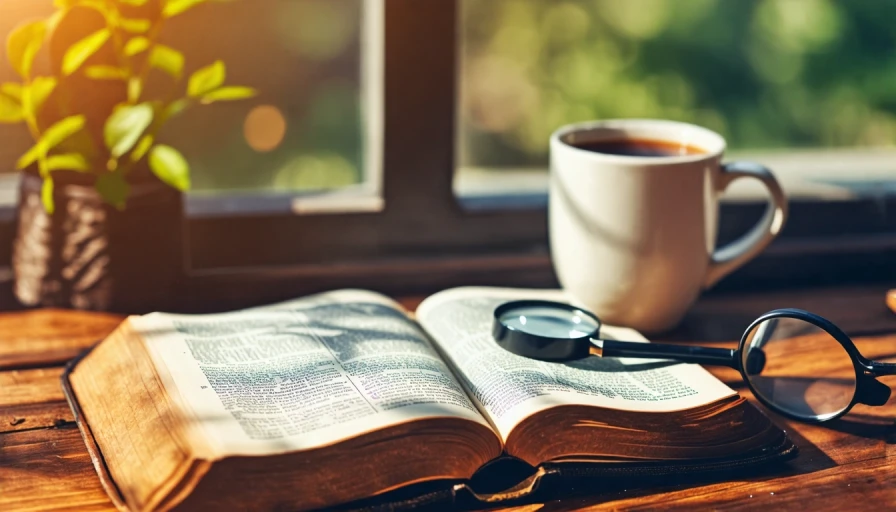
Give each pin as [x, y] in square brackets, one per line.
[808, 88]
[310, 140]
[420, 224]
[310, 128]
[342, 171]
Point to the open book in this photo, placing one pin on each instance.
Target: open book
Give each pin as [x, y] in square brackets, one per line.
[343, 396]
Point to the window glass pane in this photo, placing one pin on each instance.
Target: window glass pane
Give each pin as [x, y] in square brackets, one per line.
[806, 87]
[303, 130]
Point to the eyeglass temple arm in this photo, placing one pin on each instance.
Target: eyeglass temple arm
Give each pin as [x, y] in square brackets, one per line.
[880, 369]
[871, 391]
[682, 353]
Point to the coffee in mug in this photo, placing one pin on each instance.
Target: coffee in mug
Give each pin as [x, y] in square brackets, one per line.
[641, 147]
[633, 217]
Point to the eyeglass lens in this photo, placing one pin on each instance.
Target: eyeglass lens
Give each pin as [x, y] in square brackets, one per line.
[799, 368]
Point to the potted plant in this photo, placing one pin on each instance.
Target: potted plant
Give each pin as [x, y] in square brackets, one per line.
[100, 209]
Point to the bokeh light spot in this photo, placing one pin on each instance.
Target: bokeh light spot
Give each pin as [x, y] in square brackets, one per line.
[319, 30]
[316, 171]
[264, 128]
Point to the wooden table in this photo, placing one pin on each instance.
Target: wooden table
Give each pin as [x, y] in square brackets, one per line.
[848, 464]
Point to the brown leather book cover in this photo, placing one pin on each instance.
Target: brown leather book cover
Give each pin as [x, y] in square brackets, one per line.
[507, 481]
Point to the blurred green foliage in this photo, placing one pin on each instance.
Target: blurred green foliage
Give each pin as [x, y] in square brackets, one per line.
[305, 59]
[91, 42]
[766, 74]
[302, 56]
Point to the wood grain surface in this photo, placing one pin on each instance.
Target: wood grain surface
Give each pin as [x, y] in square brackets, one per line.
[843, 465]
[49, 337]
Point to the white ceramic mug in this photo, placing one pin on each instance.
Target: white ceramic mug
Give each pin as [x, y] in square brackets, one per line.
[633, 237]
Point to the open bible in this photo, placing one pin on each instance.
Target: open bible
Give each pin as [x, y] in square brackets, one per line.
[344, 397]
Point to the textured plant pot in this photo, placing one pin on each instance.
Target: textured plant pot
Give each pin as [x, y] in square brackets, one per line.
[89, 255]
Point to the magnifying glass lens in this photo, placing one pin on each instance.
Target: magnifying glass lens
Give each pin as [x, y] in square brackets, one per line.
[549, 322]
[544, 330]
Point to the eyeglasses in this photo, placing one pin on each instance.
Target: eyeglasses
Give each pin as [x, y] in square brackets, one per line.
[795, 362]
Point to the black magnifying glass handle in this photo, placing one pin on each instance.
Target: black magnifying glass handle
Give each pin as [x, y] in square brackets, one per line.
[681, 353]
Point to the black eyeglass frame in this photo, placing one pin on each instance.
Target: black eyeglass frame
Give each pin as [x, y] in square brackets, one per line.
[868, 390]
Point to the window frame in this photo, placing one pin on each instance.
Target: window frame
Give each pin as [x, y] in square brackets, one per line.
[420, 213]
[426, 238]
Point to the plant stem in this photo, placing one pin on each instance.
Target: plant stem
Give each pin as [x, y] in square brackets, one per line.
[31, 117]
[144, 70]
[119, 48]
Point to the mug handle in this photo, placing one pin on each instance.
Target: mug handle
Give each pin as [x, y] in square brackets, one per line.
[725, 260]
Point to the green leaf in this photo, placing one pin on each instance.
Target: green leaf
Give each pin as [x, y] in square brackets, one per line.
[125, 126]
[23, 44]
[54, 19]
[170, 166]
[10, 110]
[136, 45]
[13, 90]
[67, 162]
[41, 88]
[207, 79]
[135, 88]
[46, 194]
[142, 147]
[113, 189]
[175, 7]
[34, 96]
[51, 138]
[228, 94]
[105, 73]
[30, 156]
[82, 142]
[62, 130]
[99, 5]
[135, 25]
[83, 49]
[168, 60]
[175, 108]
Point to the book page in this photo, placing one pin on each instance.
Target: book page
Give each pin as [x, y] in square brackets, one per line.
[509, 388]
[301, 374]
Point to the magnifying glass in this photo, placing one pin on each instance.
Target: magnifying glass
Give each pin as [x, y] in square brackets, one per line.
[770, 357]
[554, 331]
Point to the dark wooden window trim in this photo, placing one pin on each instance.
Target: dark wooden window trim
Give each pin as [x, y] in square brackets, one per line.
[421, 216]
